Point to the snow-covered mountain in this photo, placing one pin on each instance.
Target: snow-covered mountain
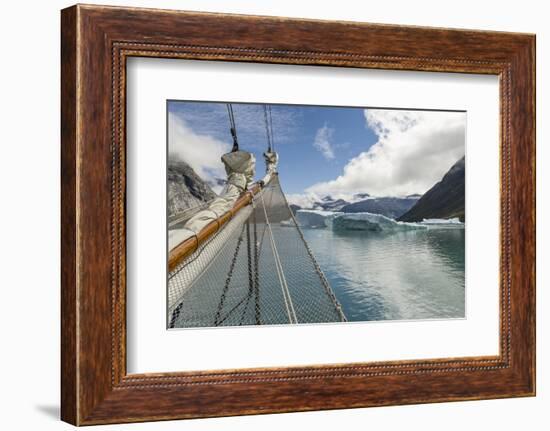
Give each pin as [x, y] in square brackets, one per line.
[327, 203]
[392, 207]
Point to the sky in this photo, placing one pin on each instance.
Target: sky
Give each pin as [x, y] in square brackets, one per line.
[336, 151]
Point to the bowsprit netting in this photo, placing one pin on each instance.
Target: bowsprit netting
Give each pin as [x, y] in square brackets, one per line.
[256, 270]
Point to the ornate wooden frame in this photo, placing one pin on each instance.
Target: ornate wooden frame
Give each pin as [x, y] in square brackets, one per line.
[95, 43]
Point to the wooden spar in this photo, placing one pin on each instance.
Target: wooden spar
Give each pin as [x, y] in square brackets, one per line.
[188, 246]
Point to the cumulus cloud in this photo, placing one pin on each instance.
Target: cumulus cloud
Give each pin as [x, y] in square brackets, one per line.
[413, 151]
[202, 152]
[322, 142]
[303, 200]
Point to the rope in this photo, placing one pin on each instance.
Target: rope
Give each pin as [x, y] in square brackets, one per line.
[253, 278]
[234, 308]
[232, 127]
[280, 273]
[249, 257]
[197, 254]
[256, 268]
[271, 128]
[321, 274]
[217, 321]
[267, 131]
[248, 297]
[175, 314]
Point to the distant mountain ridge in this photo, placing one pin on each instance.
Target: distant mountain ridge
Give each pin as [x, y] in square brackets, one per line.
[444, 200]
[185, 188]
[327, 203]
[392, 207]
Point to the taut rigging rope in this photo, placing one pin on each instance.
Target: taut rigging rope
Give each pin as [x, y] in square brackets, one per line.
[217, 318]
[280, 273]
[271, 129]
[267, 130]
[232, 127]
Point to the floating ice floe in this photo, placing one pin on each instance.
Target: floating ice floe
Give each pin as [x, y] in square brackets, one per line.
[438, 221]
[352, 221]
[314, 218]
[369, 222]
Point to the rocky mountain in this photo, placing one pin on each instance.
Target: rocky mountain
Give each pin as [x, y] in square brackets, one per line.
[362, 202]
[185, 188]
[327, 203]
[392, 207]
[444, 200]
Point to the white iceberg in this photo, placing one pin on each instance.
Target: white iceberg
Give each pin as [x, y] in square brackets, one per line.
[314, 218]
[352, 221]
[370, 222]
[454, 220]
[443, 223]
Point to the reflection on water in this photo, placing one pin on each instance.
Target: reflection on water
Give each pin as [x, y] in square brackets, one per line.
[416, 274]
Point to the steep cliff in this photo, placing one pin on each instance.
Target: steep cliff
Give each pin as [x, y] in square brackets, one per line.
[444, 200]
[185, 188]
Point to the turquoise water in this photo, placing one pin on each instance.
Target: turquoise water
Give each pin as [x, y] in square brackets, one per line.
[416, 274]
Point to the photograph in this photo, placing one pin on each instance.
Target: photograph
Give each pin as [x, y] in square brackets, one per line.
[295, 214]
[288, 212]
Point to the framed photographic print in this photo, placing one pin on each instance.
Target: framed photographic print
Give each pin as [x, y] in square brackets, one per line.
[327, 252]
[259, 216]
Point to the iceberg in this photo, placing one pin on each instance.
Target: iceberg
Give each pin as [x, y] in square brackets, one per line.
[352, 221]
[441, 223]
[314, 218]
[370, 222]
[454, 220]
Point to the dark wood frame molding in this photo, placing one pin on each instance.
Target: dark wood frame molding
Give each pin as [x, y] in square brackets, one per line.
[95, 43]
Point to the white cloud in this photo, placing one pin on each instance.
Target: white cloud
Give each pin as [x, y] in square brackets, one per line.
[202, 152]
[323, 142]
[303, 200]
[413, 151]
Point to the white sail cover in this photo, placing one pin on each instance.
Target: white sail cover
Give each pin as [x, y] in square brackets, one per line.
[271, 160]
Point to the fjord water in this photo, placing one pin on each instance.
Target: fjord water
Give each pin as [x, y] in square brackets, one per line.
[416, 274]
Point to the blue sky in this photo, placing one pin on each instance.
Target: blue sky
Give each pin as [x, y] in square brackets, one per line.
[325, 150]
[294, 132]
